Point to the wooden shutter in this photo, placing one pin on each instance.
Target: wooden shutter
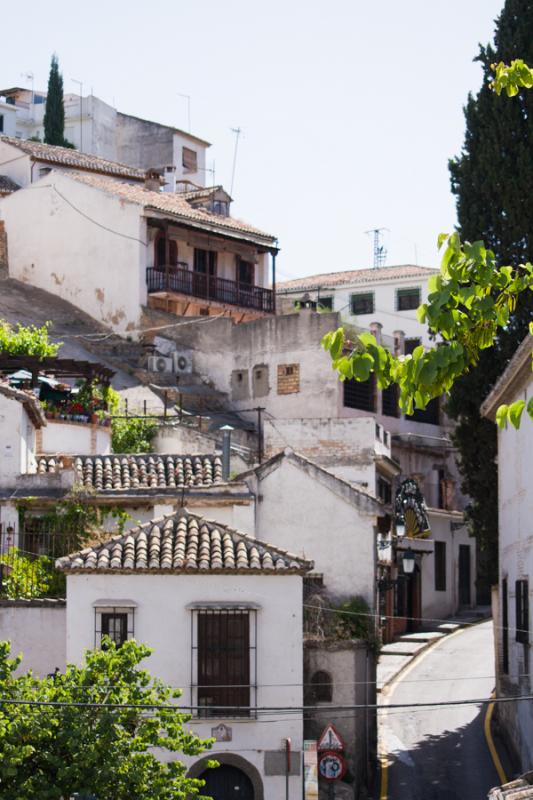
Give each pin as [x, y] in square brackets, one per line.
[224, 661]
[522, 611]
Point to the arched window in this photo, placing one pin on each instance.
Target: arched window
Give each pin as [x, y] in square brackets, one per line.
[322, 687]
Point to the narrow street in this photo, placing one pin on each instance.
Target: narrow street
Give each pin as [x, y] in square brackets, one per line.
[442, 753]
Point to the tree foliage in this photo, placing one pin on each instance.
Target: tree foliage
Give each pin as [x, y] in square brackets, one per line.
[102, 747]
[132, 434]
[54, 114]
[20, 340]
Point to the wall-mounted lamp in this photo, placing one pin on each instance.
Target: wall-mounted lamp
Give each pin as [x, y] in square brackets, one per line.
[408, 561]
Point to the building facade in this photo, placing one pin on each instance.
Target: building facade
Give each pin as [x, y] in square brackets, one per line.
[513, 597]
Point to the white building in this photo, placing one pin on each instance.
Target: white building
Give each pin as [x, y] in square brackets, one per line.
[513, 600]
[129, 244]
[388, 295]
[97, 128]
[223, 614]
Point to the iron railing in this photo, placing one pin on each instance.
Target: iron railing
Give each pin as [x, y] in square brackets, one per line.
[27, 561]
[209, 287]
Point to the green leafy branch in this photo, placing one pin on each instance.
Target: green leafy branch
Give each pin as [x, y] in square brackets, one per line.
[468, 302]
[511, 78]
[20, 340]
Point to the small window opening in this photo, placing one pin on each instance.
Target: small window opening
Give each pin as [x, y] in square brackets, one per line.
[322, 687]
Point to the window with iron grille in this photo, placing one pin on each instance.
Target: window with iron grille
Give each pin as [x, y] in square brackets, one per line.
[440, 566]
[360, 394]
[522, 611]
[407, 299]
[325, 303]
[224, 661]
[362, 303]
[115, 622]
[389, 401]
[384, 489]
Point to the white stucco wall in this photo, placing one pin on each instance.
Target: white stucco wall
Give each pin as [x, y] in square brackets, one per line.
[17, 447]
[15, 164]
[97, 263]
[444, 603]
[9, 114]
[37, 631]
[163, 621]
[515, 504]
[72, 438]
[310, 520]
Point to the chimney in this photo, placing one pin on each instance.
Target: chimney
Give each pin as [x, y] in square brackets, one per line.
[152, 180]
[399, 343]
[375, 330]
[226, 451]
[169, 175]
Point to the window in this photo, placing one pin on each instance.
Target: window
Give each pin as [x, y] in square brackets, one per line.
[225, 656]
[325, 303]
[362, 303]
[522, 611]
[205, 261]
[245, 271]
[429, 414]
[322, 687]
[411, 344]
[220, 207]
[505, 628]
[189, 160]
[407, 299]
[360, 394]
[115, 622]
[389, 401]
[161, 251]
[1, 123]
[384, 490]
[440, 566]
[288, 378]
[44, 171]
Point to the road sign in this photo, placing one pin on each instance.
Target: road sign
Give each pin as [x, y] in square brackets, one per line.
[331, 765]
[330, 739]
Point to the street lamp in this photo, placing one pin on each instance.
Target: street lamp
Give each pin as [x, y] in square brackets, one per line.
[408, 562]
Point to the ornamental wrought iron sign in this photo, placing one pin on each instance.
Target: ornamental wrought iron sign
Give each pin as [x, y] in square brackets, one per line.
[410, 510]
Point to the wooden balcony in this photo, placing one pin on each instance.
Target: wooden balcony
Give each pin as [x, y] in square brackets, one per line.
[209, 288]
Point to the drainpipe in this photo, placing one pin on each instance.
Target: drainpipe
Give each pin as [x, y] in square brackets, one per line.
[274, 281]
[226, 451]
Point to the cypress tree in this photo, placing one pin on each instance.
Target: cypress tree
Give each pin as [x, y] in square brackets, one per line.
[54, 115]
[492, 181]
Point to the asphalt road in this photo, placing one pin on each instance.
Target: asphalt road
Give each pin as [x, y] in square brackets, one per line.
[442, 753]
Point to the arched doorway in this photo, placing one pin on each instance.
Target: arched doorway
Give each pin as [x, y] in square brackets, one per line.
[219, 786]
[227, 782]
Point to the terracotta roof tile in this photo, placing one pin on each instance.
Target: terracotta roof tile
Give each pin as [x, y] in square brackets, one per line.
[67, 157]
[134, 472]
[184, 542]
[174, 204]
[356, 276]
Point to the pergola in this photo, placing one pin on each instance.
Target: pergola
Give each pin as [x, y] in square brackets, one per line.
[57, 368]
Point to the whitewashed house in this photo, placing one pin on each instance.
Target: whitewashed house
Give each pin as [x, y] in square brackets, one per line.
[97, 128]
[223, 614]
[513, 598]
[129, 244]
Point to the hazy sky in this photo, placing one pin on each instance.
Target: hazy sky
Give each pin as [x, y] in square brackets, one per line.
[349, 109]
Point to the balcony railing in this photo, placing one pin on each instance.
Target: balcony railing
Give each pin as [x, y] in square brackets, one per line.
[209, 287]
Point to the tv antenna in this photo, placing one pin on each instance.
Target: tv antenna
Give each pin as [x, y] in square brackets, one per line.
[237, 132]
[380, 251]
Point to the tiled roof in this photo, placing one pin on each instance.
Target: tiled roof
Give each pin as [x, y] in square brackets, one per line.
[519, 789]
[184, 542]
[174, 204]
[67, 157]
[7, 186]
[355, 276]
[29, 401]
[123, 473]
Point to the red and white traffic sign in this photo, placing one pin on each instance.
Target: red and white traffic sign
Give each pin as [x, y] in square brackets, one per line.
[331, 766]
[331, 739]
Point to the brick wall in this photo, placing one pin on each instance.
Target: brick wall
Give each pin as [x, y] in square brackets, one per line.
[288, 378]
